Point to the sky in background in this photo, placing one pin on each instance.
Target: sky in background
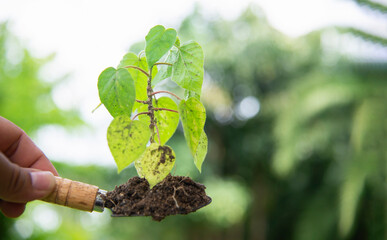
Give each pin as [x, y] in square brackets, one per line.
[88, 36]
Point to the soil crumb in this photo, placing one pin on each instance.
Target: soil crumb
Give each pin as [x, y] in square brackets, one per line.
[174, 195]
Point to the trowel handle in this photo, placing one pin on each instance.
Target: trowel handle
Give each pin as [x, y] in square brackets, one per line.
[73, 194]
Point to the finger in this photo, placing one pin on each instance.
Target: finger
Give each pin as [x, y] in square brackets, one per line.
[22, 184]
[12, 210]
[20, 149]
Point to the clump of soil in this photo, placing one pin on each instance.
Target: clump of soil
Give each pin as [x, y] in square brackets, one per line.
[174, 195]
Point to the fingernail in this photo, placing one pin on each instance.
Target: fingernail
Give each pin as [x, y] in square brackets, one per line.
[43, 181]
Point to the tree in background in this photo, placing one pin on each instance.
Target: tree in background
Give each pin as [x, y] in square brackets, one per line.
[338, 115]
[315, 155]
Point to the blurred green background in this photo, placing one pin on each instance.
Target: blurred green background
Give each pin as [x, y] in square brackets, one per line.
[297, 137]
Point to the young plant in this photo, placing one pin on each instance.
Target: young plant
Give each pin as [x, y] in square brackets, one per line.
[144, 122]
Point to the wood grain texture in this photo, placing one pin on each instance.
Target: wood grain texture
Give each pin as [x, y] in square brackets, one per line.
[73, 194]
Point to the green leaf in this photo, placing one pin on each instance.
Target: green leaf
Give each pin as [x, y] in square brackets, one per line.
[156, 163]
[140, 79]
[362, 166]
[158, 42]
[127, 140]
[188, 69]
[117, 91]
[201, 151]
[193, 117]
[191, 94]
[165, 71]
[131, 59]
[167, 121]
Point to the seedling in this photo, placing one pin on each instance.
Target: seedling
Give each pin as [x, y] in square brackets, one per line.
[144, 122]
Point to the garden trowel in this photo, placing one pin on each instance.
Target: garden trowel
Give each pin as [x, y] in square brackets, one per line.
[77, 195]
[81, 196]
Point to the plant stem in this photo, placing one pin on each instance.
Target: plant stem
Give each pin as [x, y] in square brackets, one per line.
[138, 114]
[165, 109]
[151, 111]
[140, 69]
[162, 91]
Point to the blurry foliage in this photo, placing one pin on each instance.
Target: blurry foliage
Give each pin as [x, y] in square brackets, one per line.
[310, 165]
[25, 98]
[230, 200]
[374, 5]
[317, 149]
[364, 35]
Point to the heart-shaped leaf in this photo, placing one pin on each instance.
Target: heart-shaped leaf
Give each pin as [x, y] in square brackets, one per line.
[140, 79]
[156, 163]
[165, 71]
[117, 91]
[188, 69]
[193, 118]
[158, 42]
[131, 59]
[127, 140]
[166, 121]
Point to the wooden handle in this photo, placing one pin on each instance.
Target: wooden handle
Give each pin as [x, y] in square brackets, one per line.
[73, 194]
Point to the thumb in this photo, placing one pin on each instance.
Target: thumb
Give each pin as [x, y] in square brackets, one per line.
[22, 185]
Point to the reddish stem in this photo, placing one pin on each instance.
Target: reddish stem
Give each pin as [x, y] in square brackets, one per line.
[138, 114]
[140, 69]
[165, 109]
[154, 93]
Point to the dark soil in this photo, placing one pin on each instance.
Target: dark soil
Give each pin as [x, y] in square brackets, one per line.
[174, 195]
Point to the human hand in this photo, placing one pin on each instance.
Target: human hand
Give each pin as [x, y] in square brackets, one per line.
[25, 172]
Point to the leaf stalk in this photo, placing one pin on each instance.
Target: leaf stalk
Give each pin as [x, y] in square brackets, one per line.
[165, 109]
[140, 69]
[138, 114]
[163, 91]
